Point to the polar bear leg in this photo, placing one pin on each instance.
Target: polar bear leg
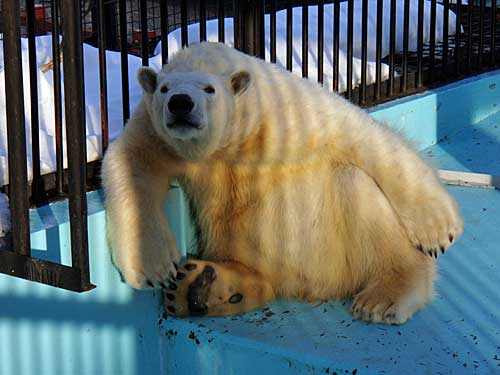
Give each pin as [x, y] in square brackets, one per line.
[394, 297]
[395, 280]
[216, 289]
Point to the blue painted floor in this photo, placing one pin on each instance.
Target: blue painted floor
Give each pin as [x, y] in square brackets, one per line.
[459, 333]
[472, 148]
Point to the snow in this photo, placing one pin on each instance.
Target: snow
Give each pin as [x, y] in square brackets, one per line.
[113, 65]
[174, 38]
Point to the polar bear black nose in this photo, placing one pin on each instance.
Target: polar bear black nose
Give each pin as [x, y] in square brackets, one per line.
[180, 104]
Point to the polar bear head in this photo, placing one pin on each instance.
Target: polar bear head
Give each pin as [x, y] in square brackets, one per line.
[192, 110]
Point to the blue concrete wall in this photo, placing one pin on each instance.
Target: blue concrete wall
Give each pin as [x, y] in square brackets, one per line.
[110, 330]
[426, 118]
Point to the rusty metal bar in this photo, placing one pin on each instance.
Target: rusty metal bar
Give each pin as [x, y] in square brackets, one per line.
[336, 44]
[16, 132]
[56, 57]
[184, 24]
[124, 60]
[143, 11]
[103, 85]
[164, 32]
[321, 37]
[76, 138]
[37, 189]
[305, 38]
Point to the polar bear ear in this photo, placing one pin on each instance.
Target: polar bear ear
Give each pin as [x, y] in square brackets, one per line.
[240, 82]
[147, 78]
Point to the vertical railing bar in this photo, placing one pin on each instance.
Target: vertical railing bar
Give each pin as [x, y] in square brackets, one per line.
[143, 11]
[124, 61]
[432, 40]
[272, 16]
[164, 31]
[184, 24]
[101, 40]
[364, 46]
[203, 21]
[420, 42]
[237, 24]
[406, 26]
[289, 26]
[76, 144]
[350, 37]
[321, 22]
[57, 95]
[469, 36]
[247, 24]
[392, 47]
[37, 184]
[336, 44]
[305, 38]
[458, 37]
[493, 31]
[220, 23]
[481, 34]
[16, 131]
[378, 51]
[261, 29]
[446, 9]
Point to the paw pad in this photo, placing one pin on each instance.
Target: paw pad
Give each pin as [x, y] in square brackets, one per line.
[190, 266]
[236, 298]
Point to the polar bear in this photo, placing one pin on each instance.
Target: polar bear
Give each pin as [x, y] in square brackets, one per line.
[298, 194]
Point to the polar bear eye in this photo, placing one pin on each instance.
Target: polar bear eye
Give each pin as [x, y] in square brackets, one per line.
[209, 90]
[164, 89]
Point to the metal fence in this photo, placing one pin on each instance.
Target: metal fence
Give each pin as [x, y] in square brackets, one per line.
[472, 48]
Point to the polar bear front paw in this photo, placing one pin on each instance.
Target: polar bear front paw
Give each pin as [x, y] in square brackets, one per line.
[433, 226]
[146, 271]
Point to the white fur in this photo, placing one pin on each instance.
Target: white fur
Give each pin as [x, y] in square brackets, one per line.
[289, 179]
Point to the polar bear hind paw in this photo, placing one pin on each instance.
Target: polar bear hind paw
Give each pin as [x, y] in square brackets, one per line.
[214, 289]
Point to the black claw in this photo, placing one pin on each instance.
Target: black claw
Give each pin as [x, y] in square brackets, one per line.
[171, 309]
[190, 266]
[163, 285]
[420, 248]
[171, 276]
[180, 275]
[149, 283]
[170, 296]
[450, 237]
[236, 298]
[442, 249]
[172, 286]
[435, 253]
[175, 266]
